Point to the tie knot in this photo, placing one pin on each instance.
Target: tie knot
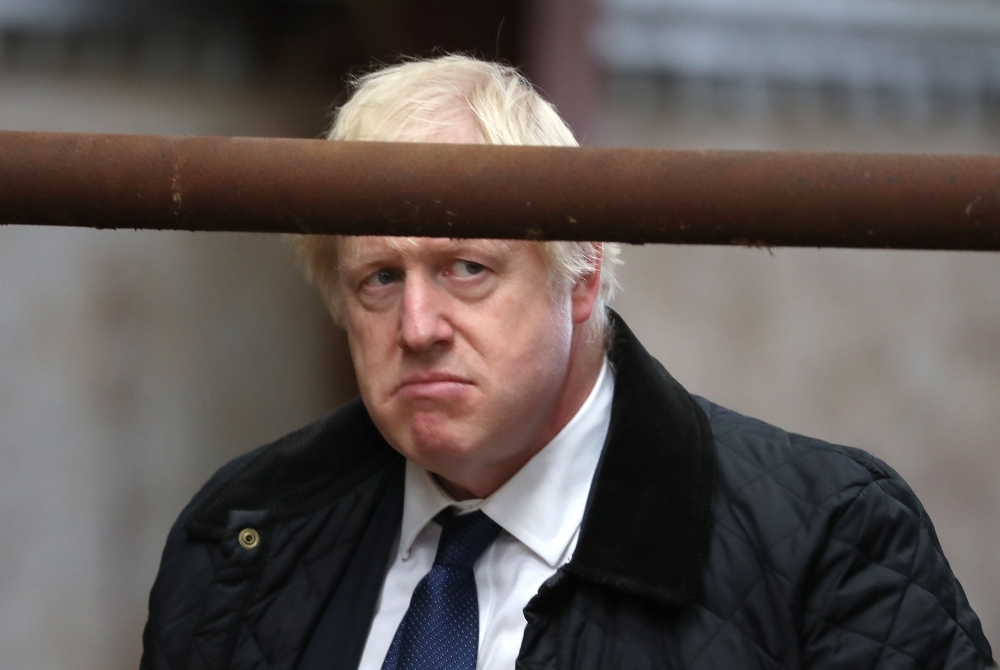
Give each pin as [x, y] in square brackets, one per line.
[464, 537]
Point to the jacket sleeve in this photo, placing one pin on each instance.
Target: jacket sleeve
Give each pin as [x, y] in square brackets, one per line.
[881, 593]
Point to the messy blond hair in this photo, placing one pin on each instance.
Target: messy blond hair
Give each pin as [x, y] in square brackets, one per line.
[418, 101]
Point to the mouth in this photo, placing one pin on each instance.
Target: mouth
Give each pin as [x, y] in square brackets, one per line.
[433, 386]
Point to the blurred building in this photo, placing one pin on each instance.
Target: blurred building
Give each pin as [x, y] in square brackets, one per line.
[894, 75]
[134, 363]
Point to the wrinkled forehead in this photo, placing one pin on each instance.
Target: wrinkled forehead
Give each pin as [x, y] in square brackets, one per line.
[357, 251]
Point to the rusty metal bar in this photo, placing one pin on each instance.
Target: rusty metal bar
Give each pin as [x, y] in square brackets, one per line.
[627, 195]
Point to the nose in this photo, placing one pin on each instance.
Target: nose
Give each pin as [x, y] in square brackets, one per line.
[423, 322]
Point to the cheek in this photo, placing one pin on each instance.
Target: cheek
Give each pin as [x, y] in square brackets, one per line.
[552, 352]
[369, 344]
[537, 338]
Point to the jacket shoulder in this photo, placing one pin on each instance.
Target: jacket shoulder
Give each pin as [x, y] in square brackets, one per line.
[847, 540]
[812, 470]
[310, 467]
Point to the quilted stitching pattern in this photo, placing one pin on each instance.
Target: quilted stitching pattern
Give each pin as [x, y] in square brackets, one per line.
[821, 557]
[876, 571]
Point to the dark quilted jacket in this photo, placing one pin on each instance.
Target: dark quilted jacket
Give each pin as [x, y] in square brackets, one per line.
[710, 541]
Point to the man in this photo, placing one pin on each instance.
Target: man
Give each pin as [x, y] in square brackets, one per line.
[521, 484]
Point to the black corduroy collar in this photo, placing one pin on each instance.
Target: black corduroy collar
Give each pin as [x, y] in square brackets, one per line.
[648, 518]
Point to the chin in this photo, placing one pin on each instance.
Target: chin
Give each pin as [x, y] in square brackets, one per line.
[435, 439]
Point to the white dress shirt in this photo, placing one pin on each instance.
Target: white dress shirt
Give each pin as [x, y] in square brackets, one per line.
[539, 509]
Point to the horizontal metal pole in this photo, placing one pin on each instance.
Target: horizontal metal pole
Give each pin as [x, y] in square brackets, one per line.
[446, 190]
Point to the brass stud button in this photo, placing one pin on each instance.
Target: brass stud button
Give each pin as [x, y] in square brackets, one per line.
[249, 538]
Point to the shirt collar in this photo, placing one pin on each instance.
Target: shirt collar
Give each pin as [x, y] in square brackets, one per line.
[542, 505]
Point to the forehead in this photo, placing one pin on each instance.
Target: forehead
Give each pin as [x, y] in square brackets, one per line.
[355, 251]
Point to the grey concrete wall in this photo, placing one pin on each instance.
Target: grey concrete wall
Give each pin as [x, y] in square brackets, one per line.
[132, 364]
[894, 352]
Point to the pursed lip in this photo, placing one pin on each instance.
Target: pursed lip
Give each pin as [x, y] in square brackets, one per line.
[432, 384]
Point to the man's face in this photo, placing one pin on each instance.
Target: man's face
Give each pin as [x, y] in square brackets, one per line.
[462, 351]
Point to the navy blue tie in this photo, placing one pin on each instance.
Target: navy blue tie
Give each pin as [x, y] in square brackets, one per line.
[441, 629]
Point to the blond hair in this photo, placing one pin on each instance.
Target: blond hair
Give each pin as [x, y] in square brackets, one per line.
[419, 101]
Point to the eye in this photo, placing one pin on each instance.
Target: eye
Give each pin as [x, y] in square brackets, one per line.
[383, 277]
[466, 269]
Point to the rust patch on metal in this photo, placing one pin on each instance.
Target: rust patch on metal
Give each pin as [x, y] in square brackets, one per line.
[765, 199]
[534, 234]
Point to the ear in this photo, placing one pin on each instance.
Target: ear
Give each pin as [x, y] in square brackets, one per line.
[587, 287]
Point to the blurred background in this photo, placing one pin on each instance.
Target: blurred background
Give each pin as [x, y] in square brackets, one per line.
[132, 364]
